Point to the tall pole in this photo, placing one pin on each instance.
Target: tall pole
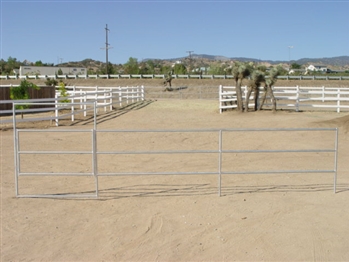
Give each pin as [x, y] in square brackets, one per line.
[107, 47]
[189, 52]
[289, 57]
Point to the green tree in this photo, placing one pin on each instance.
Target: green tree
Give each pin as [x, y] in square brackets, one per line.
[262, 68]
[60, 72]
[179, 69]
[108, 70]
[91, 71]
[21, 92]
[38, 63]
[131, 67]
[2, 66]
[295, 66]
[51, 82]
[216, 69]
[281, 70]
[147, 67]
[11, 64]
[164, 69]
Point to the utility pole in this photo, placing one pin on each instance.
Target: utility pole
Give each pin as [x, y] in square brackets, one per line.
[107, 47]
[289, 56]
[59, 59]
[189, 52]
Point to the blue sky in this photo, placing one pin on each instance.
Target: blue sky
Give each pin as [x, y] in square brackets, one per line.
[57, 30]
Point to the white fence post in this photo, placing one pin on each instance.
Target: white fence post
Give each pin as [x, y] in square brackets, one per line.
[120, 96]
[85, 100]
[132, 92]
[220, 98]
[111, 99]
[105, 100]
[297, 99]
[338, 101]
[56, 108]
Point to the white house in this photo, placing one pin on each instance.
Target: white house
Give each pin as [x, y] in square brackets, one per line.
[321, 68]
[51, 70]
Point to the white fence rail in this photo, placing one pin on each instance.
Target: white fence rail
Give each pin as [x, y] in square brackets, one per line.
[146, 76]
[325, 98]
[79, 100]
[107, 95]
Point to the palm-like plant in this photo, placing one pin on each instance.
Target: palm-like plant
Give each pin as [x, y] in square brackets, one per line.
[269, 83]
[240, 71]
[257, 78]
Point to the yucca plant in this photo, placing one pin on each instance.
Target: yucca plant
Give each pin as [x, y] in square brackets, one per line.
[257, 78]
[240, 71]
[269, 83]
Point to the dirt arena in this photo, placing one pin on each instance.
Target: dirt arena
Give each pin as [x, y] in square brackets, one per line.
[264, 217]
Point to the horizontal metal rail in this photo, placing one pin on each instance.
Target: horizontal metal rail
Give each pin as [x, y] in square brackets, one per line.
[218, 152]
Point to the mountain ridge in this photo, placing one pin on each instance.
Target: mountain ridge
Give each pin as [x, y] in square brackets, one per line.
[338, 62]
[333, 61]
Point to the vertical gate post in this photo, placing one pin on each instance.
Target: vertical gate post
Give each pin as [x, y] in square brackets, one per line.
[94, 149]
[15, 134]
[335, 162]
[220, 163]
[94, 157]
[56, 109]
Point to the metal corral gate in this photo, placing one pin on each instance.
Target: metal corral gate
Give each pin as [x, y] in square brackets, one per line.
[217, 153]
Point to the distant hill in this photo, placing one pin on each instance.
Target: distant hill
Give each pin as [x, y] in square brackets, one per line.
[337, 62]
[333, 61]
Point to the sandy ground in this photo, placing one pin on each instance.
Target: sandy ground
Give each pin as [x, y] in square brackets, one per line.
[264, 217]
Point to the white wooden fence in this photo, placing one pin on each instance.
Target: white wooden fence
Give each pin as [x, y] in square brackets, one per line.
[325, 98]
[105, 96]
[80, 99]
[147, 76]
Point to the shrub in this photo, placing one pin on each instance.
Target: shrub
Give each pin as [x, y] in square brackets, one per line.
[21, 92]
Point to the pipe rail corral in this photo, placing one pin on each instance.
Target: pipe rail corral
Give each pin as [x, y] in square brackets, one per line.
[217, 153]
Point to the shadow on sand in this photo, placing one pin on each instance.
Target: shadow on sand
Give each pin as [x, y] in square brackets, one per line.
[202, 189]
